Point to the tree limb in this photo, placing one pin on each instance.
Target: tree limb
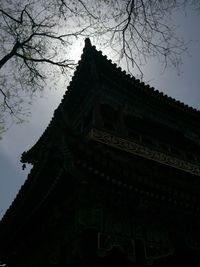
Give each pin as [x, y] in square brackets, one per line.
[10, 55]
[5, 101]
[63, 63]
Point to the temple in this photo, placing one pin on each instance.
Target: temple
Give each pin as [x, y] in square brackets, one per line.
[115, 178]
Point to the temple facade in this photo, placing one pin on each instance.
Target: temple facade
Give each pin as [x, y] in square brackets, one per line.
[115, 178]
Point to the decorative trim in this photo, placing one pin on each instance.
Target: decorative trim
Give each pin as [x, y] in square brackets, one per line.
[140, 150]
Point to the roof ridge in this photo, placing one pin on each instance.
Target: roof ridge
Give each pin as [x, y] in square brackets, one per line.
[144, 86]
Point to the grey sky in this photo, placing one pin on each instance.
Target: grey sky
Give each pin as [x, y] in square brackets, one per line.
[21, 137]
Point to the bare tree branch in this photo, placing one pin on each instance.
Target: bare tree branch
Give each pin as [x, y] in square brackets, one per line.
[63, 63]
[9, 16]
[6, 102]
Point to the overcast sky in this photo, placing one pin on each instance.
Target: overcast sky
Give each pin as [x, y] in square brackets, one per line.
[19, 138]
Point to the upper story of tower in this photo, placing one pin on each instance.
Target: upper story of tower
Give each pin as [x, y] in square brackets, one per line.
[102, 97]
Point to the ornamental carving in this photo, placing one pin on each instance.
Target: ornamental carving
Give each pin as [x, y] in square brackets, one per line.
[140, 150]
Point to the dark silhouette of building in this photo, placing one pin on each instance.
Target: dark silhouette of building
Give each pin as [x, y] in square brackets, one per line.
[115, 178]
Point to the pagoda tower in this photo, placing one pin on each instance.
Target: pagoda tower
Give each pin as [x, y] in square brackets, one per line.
[115, 178]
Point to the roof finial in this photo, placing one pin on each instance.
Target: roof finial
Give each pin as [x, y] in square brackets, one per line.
[87, 42]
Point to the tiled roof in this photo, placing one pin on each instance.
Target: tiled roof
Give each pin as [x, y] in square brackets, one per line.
[137, 83]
